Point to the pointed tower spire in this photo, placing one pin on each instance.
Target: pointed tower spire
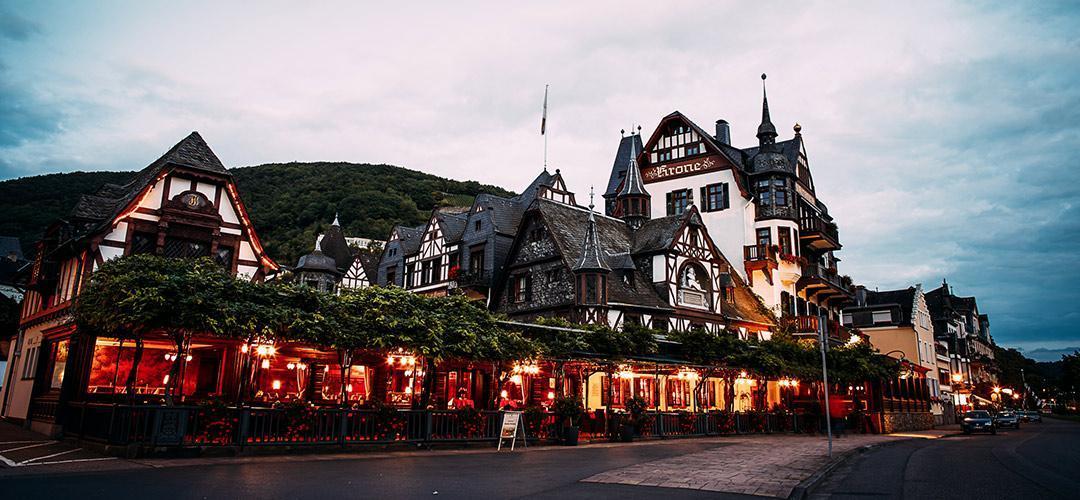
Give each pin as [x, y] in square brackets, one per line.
[590, 251]
[632, 202]
[766, 132]
[335, 223]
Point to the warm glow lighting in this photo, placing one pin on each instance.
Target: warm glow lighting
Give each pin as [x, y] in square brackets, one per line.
[1007, 391]
[389, 360]
[855, 339]
[956, 377]
[527, 368]
[997, 389]
[276, 385]
[408, 390]
[326, 368]
[266, 363]
[742, 374]
[504, 394]
[272, 350]
[290, 366]
[551, 394]
[188, 357]
[348, 387]
[244, 348]
[516, 379]
[165, 380]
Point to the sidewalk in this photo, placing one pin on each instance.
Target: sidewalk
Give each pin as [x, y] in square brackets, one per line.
[765, 465]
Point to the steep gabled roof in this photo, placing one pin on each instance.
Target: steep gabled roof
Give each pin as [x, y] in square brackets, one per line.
[566, 225]
[452, 222]
[334, 245]
[904, 298]
[410, 238]
[657, 234]
[622, 159]
[505, 213]
[724, 151]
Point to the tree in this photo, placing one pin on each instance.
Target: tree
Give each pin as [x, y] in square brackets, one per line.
[130, 297]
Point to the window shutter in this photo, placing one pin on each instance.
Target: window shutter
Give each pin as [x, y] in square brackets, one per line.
[705, 199]
[689, 197]
[528, 288]
[670, 208]
[724, 190]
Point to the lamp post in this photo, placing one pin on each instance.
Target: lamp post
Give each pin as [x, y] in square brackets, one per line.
[825, 380]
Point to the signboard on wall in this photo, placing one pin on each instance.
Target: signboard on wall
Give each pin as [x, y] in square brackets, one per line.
[656, 173]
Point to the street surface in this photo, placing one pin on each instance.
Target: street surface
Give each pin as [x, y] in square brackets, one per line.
[1037, 461]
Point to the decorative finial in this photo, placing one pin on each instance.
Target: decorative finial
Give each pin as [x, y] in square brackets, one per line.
[335, 223]
[763, 77]
[798, 129]
[639, 130]
[591, 193]
[622, 132]
[558, 172]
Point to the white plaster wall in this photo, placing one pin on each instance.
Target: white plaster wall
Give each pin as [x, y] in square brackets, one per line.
[730, 228]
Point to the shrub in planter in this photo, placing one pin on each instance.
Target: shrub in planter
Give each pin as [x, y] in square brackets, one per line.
[472, 422]
[568, 409]
[639, 418]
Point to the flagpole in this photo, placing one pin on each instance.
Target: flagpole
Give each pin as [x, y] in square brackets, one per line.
[543, 125]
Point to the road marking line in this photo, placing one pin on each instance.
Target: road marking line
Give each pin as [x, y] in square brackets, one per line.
[45, 443]
[21, 442]
[8, 462]
[71, 461]
[24, 462]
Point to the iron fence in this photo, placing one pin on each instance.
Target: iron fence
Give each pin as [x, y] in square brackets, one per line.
[209, 426]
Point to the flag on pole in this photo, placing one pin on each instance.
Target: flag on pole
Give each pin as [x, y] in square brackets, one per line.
[543, 120]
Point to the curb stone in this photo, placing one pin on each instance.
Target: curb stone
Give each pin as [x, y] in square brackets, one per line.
[802, 490]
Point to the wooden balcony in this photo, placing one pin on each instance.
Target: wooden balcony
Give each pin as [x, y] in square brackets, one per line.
[802, 325]
[824, 283]
[754, 253]
[818, 234]
[473, 279]
[759, 258]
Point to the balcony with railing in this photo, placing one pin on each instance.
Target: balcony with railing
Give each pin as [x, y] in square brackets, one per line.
[818, 233]
[760, 258]
[802, 325]
[825, 282]
[472, 279]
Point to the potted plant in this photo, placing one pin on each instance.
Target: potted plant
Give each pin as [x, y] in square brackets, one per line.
[569, 410]
[637, 408]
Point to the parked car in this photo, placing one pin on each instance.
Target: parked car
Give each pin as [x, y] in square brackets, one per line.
[1031, 416]
[1007, 419]
[978, 421]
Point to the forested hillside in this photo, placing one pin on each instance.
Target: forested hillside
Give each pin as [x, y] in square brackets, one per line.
[289, 202]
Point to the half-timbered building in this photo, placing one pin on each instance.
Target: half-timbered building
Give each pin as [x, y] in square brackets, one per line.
[463, 249]
[568, 261]
[758, 202]
[184, 204]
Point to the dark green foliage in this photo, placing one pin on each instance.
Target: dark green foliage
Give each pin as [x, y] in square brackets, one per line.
[292, 202]
[288, 202]
[31, 204]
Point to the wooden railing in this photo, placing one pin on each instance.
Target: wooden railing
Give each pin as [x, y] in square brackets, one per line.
[812, 224]
[753, 253]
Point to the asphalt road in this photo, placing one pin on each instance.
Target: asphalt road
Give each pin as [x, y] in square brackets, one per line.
[551, 473]
[1037, 461]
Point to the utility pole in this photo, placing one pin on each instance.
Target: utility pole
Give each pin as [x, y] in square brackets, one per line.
[825, 380]
[1023, 382]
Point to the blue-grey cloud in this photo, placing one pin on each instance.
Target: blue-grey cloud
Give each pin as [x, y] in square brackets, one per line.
[16, 27]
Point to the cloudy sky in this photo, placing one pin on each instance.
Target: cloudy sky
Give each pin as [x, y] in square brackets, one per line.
[943, 137]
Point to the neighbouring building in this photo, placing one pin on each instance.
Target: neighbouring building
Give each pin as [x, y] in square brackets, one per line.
[184, 204]
[898, 325]
[338, 261]
[966, 333]
[760, 205]
[463, 249]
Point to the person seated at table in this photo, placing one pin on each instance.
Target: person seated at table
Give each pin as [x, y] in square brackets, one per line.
[461, 401]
